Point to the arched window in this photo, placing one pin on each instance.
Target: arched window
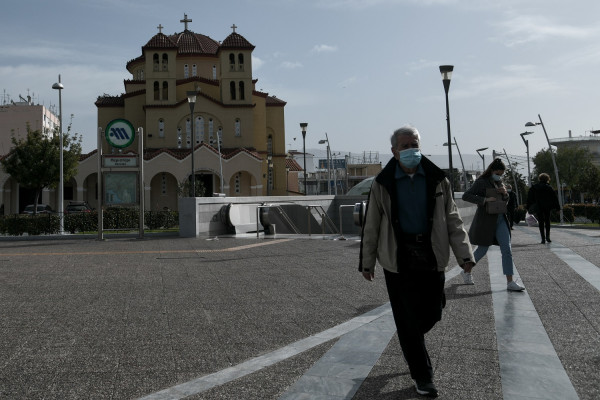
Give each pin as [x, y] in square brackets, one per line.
[242, 95]
[186, 71]
[211, 140]
[194, 70]
[165, 62]
[214, 72]
[165, 93]
[198, 129]
[241, 61]
[238, 127]
[188, 133]
[232, 90]
[178, 138]
[232, 62]
[156, 91]
[155, 61]
[161, 128]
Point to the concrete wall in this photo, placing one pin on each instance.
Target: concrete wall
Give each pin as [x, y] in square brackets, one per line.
[208, 215]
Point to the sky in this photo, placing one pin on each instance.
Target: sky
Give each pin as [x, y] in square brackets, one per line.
[355, 70]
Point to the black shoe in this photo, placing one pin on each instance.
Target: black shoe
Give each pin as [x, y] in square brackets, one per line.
[548, 240]
[543, 241]
[426, 388]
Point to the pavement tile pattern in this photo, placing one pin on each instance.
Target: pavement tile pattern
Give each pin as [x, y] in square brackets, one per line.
[128, 318]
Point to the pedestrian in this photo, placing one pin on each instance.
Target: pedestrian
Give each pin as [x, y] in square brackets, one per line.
[541, 200]
[511, 206]
[489, 226]
[410, 224]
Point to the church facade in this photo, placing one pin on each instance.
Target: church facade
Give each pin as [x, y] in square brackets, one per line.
[236, 133]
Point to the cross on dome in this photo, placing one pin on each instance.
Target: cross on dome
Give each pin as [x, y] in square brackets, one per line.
[185, 21]
[160, 27]
[233, 27]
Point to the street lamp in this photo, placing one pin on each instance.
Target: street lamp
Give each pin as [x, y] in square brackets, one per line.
[323, 141]
[219, 135]
[558, 186]
[527, 146]
[482, 156]
[191, 96]
[59, 86]
[461, 163]
[446, 71]
[303, 126]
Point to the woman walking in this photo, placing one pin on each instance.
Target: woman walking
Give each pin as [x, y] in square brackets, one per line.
[541, 200]
[490, 225]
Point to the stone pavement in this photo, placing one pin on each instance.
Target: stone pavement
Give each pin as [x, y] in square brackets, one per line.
[286, 318]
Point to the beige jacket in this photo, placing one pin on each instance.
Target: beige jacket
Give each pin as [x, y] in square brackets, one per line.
[379, 237]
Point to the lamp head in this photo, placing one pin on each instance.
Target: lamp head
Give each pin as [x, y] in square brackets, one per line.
[58, 86]
[532, 123]
[482, 149]
[191, 96]
[322, 141]
[446, 71]
[303, 126]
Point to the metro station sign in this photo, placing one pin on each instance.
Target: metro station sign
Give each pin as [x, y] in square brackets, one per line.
[120, 133]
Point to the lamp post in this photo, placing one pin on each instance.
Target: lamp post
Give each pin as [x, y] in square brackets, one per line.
[461, 163]
[482, 156]
[323, 141]
[191, 96]
[219, 134]
[446, 71]
[527, 146]
[558, 186]
[303, 126]
[61, 212]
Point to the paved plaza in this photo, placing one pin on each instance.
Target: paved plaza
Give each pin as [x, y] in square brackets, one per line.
[286, 318]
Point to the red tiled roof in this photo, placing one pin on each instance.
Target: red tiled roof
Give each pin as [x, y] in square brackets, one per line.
[236, 41]
[159, 41]
[110, 101]
[188, 42]
[274, 101]
[292, 165]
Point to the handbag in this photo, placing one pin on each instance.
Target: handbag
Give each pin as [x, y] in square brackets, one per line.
[495, 207]
[531, 220]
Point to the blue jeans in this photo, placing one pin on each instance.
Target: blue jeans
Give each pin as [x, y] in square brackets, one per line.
[503, 238]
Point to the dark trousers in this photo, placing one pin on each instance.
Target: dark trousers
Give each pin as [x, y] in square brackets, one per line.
[511, 216]
[543, 217]
[417, 299]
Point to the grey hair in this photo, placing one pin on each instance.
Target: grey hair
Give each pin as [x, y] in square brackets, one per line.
[406, 130]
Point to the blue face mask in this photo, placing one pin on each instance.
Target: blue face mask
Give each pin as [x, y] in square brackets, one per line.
[496, 177]
[410, 158]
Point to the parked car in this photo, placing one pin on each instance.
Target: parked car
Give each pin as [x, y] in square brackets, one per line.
[41, 209]
[78, 207]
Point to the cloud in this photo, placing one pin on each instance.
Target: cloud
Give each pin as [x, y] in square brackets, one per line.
[324, 48]
[291, 65]
[522, 29]
[257, 63]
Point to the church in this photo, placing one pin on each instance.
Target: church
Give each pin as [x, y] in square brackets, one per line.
[236, 133]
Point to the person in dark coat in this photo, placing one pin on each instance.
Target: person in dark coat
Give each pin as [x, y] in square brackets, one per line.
[511, 206]
[490, 229]
[541, 200]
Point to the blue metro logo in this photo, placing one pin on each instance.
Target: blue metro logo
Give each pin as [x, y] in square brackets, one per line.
[120, 133]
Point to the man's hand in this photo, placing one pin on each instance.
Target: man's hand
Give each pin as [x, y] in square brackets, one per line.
[369, 275]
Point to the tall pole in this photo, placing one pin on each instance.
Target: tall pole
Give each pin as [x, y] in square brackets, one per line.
[558, 186]
[446, 71]
[463, 165]
[193, 183]
[303, 126]
[61, 211]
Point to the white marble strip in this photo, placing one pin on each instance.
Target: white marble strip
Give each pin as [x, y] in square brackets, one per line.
[206, 382]
[529, 365]
[583, 267]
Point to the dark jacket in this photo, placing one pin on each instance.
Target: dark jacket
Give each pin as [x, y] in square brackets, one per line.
[483, 228]
[381, 235]
[512, 201]
[543, 196]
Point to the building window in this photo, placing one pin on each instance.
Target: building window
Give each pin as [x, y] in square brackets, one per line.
[220, 136]
[242, 95]
[188, 133]
[238, 127]
[241, 61]
[156, 91]
[179, 141]
[155, 62]
[186, 71]
[199, 129]
[232, 90]
[165, 93]
[214, 72]
[163, 184]
[237, 183]
[232, 62]
[194, 70]
[161, 128]
[211, 140]
[270, 145]
[165, 62]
